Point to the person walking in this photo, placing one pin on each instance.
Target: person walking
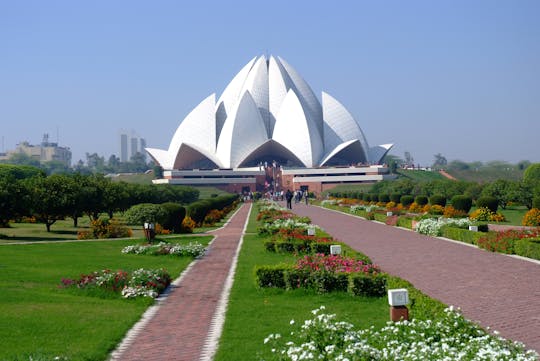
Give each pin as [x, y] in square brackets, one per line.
[306, 197]
[288, 197]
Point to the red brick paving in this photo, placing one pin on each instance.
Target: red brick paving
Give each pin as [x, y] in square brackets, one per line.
[494, 290]
[180, 327]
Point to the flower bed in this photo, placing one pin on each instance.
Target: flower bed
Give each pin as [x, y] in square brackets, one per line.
[449, 338]
[141, 282]
[193, 249]
[504, 241]
[433, 227]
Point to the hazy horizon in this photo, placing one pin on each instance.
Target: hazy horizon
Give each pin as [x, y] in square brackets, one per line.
[458, 78]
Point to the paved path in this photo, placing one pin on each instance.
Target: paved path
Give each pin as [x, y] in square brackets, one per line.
[495, 290]
[182, 325]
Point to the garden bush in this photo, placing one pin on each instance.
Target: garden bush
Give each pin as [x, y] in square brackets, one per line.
[175, 216]
[405, 222]
[384, 198]
[370, 286]
[145, 212]
[421, 200]
[295, 278]
[491, 203]
[406, 200]
[527, 248]
[462, 203]
[536, 202]
[366, 197]
[395, 197]
[460, 234]
[105, 228]
[437, 199]
[271, 276]
[324, 281]
[374, 197]
[532, 218]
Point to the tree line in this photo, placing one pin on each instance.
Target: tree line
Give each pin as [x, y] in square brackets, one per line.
[26, 191]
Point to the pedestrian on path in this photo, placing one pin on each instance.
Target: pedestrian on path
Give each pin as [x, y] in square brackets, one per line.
[288, 197]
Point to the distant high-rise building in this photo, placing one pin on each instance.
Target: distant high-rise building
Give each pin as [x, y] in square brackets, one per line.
[131, 144]
[124, 147]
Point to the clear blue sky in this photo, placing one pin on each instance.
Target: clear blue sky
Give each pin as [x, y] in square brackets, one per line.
[460, 78]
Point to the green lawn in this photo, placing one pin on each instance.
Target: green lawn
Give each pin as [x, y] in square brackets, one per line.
[420, 175]
[254, 313]
[41, 321]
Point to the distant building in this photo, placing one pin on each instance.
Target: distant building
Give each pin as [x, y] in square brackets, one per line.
[45, 152]
[131, 144]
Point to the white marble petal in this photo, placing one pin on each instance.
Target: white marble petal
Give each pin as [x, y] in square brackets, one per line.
[243, 132]
[294, 131]
[377, 153]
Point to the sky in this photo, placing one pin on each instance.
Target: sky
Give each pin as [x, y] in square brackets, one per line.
[459, 78]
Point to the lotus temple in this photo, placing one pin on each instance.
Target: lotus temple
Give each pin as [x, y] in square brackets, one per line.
[268, 131]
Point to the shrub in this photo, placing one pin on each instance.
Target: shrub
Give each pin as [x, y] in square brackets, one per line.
[374, 197]
[415, 208]
[295, 278]
[497, 244]
[451, 212]
[145, 212]
[212, 217]
[363, 285]
[436, 209]
[188, 225]
[532, 218]
[536, 202]
[105, 228]
[437, 199]
[384, 198]
[421, 200]
[271, 276]
[324, 281]
[270, 246]
[406, 200]
[491, 203]
[462, 235]
[395, 197]
[462, 203]
[528, 248]
[323, 248]
[366, 197]
[175, 216]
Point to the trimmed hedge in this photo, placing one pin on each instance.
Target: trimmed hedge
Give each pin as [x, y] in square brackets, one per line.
[384, 198]
[421, 200]
[363, 285]
[271, 276]
[462, 203]
[437, 199]
[406, 200]
[395, 197]
[462, 235]
[491, 203]
[529, 248]
[287, 277]
[175, 215]
[404, 222]
[198, 210]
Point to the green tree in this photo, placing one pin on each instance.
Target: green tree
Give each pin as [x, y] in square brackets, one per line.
[12, 199]
[440, 161]
[23, 159]
[503, 190]
[49, 198]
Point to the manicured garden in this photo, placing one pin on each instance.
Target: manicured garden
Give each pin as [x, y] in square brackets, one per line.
[47, 315]
[275, 308]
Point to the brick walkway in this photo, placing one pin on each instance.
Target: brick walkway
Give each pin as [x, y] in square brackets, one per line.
[494, 290]
[182, 325]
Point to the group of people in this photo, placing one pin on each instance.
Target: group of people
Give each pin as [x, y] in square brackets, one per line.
[297, 195]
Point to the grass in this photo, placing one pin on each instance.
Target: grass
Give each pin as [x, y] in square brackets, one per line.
[254, 313]
[420, 175]
[46, 321]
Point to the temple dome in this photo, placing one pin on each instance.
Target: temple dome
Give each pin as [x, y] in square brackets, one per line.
[268, 112]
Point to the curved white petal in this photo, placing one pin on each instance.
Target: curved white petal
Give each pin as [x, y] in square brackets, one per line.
[230, 96]
[257, 85]
[377, 153]
[197, 128]
[243, 132]
[294, 131]
[278, 86]
[161, 157]
[306, 95]
[349, 152]
[188, 154]
[340, 126]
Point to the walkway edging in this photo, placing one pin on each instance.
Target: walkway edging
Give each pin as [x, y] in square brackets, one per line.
[218, 320]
